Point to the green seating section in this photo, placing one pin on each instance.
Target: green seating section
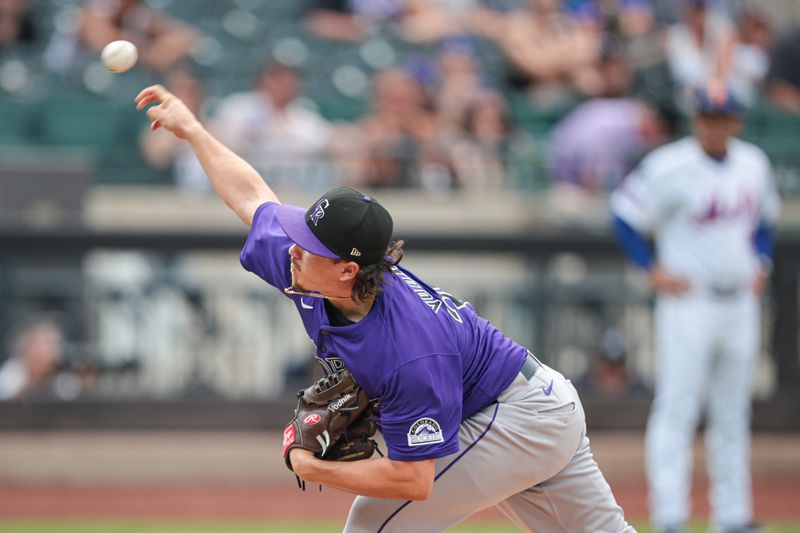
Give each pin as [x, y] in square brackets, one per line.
[62, 112]
[16, 124]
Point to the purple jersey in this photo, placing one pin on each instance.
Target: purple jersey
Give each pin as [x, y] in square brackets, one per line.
[429, 358]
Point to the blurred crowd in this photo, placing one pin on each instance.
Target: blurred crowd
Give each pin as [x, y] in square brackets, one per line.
[490, 94]
[610, 73]
[40, 363]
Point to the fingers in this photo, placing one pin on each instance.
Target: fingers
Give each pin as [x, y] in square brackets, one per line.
[677, 286]
[154, 93]
[154, 114]
[664, 283]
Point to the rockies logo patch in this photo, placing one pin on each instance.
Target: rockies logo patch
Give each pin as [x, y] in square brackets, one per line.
[425, 431]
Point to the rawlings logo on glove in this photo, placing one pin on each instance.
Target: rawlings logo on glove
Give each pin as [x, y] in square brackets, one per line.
[332, 420]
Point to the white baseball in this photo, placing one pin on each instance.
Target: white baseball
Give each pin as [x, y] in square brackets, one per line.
[119, 56]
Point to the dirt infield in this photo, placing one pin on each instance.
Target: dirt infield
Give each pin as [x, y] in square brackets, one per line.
[774, 502]
[237, 477]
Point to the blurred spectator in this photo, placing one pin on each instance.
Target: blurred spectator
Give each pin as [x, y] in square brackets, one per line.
[165, 151]
[459, 82]
[630, 22]
[756, 28]
[614, 72]
[413, 20]
[756, 41]
[33, 369]
[483, 154]
[17, 24]
[608, 373]
[272, 130]
[550, 53]
[349, 20]
[162, 40]
[598, 143]
[703, 46]
[784, 74]
[399, 142]
[625, 18]
[431, 20]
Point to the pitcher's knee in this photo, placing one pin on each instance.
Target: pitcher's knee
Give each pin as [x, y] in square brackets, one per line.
[365, 517]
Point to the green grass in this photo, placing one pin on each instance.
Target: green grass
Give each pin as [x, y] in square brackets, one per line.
[69, 526]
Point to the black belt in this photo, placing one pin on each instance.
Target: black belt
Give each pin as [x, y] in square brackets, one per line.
[530, 366]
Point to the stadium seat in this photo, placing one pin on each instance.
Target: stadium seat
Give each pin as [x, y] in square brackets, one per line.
[79, 121]
[16, 126]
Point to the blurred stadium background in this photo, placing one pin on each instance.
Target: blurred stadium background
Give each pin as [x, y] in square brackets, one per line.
[162, 363]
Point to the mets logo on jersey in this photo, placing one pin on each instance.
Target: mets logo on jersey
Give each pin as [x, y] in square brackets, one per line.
[319, 211]
[425, 431]
[312, 419]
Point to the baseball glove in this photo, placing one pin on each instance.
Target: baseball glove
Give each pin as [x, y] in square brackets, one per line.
[356, 443]
[331, 420]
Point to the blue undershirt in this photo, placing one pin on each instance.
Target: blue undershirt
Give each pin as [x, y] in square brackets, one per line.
[633, 243]
[764, 239]
[639, 252]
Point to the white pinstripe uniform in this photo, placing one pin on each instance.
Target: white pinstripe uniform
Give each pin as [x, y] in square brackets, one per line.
[703, 214]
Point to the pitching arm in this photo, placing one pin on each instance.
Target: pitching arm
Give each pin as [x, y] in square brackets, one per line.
[237, 183]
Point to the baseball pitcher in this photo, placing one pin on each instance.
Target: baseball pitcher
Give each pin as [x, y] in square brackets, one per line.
[711, 204]
[470, 418]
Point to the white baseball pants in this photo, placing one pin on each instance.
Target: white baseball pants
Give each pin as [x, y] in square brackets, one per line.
[707, 348]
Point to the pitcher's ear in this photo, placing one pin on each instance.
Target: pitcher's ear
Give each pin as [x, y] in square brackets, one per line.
[349, 270]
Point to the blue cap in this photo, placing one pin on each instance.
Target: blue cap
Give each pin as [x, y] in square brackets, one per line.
[716, 99]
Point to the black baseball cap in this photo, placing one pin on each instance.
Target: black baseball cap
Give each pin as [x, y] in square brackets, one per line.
[342, 224]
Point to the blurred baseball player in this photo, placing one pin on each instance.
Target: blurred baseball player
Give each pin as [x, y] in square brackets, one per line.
[711, 204]
[470, 418]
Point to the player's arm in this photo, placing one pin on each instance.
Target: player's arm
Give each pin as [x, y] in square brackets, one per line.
[238, 184]
[376, 478]
[633, 243]
[764, 234]
[763, 242]
[638, 251]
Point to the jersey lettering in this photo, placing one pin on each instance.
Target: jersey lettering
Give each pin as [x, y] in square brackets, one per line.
[426, 297]
[450, 302]
[718, 210]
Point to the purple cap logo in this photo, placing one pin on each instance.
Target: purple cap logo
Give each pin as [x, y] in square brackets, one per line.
[319, 211]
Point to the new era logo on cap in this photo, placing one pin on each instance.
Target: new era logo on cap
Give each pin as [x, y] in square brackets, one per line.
[355, 253]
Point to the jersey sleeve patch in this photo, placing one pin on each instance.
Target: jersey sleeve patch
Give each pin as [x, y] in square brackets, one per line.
[425, 431]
